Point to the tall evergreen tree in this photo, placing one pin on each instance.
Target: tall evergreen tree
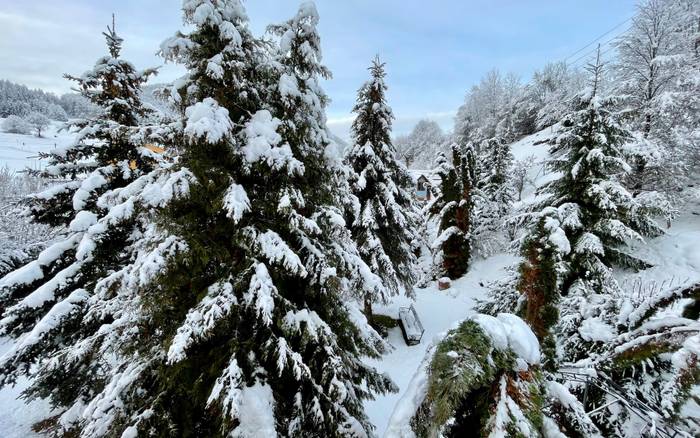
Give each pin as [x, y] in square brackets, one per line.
[454, 210]
[598, 215]
[384, 224]
[48, 296]
[232, 317]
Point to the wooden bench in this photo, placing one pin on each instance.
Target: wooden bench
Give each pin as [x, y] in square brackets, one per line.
[411, 327]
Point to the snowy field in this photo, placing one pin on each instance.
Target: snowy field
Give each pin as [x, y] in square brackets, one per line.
[17, 151]
[675, 255]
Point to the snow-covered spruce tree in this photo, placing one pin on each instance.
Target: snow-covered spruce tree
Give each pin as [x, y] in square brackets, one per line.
[270, 260]
[453, 208]
[107, 155]
[108, 151]
[599, 216]
[493, 205]
[495, 184]
[384, 224]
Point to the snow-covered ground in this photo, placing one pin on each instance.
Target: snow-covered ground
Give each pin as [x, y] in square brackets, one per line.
[18, 151]
[16, 416]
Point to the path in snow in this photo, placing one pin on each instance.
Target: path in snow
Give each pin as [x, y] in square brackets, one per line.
[438, 311]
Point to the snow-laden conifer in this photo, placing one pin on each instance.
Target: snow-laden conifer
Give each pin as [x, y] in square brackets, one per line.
[45, 302]
[453, 209]
[385, 222]
[495, 196]
[231, 312]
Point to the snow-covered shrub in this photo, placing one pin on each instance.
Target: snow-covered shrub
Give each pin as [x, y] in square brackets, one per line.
[16, 125]
[482, 378]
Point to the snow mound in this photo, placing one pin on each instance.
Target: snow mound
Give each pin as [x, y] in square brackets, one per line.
[508, 331]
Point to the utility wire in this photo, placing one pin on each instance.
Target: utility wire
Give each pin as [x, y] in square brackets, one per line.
[599, 37]
[603, 44]
[587, 54]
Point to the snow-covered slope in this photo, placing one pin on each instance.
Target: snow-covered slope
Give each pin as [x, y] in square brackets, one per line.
[18, 151]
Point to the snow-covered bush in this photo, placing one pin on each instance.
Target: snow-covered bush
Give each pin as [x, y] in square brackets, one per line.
[16, 125]
[481, 379]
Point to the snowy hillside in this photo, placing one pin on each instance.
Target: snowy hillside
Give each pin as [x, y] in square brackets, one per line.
[19, 151]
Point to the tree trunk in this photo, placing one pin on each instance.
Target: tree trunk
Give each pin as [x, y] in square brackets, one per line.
[368, 307]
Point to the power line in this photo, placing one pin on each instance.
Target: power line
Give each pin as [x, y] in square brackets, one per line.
[603, 44]
[598, 38]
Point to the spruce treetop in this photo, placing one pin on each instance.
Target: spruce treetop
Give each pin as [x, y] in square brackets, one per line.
[374, 117]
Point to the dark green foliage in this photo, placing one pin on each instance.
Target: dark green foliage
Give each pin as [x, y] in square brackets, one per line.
[468, 379]
[454, 209]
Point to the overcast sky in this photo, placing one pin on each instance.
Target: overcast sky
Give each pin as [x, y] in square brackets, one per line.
[435, 50]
